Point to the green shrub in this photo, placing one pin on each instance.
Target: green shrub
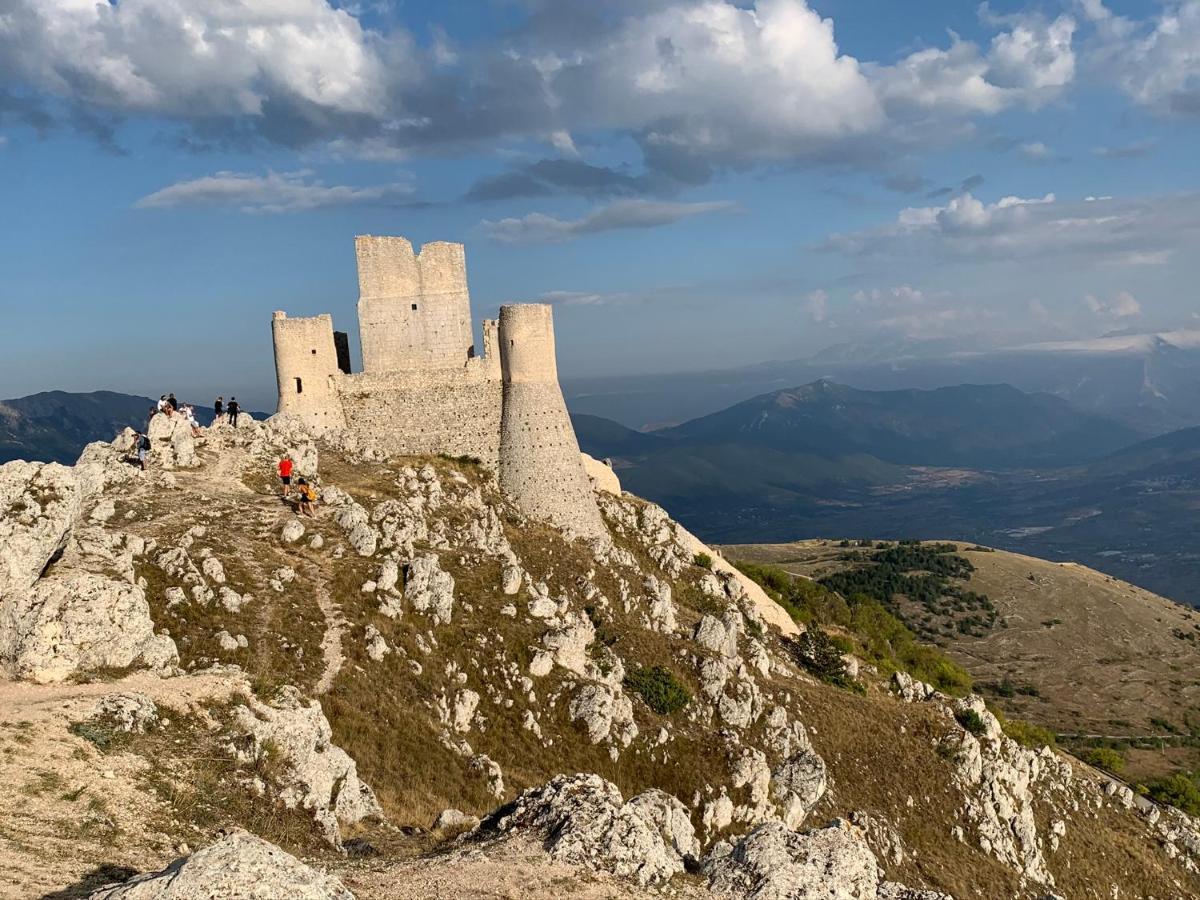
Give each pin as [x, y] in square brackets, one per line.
[1027, 734]
[703, 560]
[1178, 790]
[971, 721]
[821, 655]
[104, 738]
[659, 687]
[876, 635]
[1104, 758]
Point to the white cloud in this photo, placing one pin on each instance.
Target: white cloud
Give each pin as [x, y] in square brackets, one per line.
[1123, 306]
[1027, 65]
[1155, 62]
[816, 304]
[271, 193]
[541, 228]
[1132, 231]
[915, 313]
[575, 298]
[1036, 151]
[192, 59]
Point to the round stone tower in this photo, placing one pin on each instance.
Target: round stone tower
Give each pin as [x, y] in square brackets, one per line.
[540, 466]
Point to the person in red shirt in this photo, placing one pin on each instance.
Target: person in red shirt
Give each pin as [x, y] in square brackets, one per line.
[285, 475]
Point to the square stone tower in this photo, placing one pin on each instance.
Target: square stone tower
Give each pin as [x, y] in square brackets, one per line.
[414, 311]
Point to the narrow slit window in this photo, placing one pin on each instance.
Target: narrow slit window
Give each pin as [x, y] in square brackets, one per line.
[299, 386]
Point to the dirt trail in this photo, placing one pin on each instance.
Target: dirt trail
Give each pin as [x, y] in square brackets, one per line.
[80, 810]
[331, 642]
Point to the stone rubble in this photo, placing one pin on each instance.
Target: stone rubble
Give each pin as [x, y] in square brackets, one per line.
[239, 865]
[585, 821]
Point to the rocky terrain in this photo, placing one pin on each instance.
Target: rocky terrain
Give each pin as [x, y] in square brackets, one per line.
[420, 692]
[1091, 657]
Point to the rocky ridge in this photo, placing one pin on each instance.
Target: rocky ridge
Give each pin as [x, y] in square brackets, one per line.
[422, 642]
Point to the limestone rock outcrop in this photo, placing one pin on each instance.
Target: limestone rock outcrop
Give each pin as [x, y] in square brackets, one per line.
[319, 776]
[38, 503]
[775, 863]
[238, 865]
[79, 622]
[585, 821]
[172, 445]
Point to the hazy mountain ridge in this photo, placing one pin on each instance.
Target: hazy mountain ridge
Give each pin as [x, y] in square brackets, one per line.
[1148, 382]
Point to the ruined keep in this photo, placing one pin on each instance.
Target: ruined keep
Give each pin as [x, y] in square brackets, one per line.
[425, 390]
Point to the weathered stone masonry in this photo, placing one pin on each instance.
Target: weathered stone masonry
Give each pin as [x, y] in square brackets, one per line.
[424, 389]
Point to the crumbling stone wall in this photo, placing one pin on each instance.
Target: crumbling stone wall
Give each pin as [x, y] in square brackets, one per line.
[429, 412]
[306, 368]
[414, 311]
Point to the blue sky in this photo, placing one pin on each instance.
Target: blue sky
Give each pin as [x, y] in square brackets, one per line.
[693, 184]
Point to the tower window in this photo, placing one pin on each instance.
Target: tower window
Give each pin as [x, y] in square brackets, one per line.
[300, 385]
[314, 351]
[414, 306]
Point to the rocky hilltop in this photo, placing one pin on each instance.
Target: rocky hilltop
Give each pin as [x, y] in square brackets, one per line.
[423, 692]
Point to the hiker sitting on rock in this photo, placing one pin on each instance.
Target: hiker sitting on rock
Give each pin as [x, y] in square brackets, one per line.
[285, 475]
[308, 496]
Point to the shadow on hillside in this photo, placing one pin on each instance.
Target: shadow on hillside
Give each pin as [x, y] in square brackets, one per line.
[97, 878]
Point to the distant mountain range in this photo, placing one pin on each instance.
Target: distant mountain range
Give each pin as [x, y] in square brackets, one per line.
[1026, 472]
[55, 426]
[1148, 382]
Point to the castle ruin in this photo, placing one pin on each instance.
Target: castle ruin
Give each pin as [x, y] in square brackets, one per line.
[425, 390]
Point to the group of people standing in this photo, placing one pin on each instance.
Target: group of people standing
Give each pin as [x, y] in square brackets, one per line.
[230, 409]
[168, 406]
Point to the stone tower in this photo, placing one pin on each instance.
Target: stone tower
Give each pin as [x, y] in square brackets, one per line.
[540, 466]
[414, 311]
[306, 366]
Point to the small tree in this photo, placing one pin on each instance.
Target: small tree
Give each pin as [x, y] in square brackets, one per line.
[1105, 758]
[971, 721]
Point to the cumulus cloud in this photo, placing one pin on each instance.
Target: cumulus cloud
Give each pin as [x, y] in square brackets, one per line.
[697, 84]
[275, 192]
[537, 227]
[1124, 305]
[277, 64]
[816, 305]
[1027, 65]
[1155, 62]
[1116, 231]
[1037, 151]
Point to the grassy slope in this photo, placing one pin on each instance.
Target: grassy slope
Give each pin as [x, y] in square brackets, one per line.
[1104, 656]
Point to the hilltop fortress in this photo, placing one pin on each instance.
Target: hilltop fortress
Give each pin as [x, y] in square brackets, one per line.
[425, 390]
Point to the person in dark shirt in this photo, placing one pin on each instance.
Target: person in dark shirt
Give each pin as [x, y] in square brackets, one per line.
[234, 409]
[174, 404]
[218, 409]
[142, 445]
